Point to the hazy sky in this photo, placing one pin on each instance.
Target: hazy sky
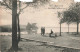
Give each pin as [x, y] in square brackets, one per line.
[42, 16]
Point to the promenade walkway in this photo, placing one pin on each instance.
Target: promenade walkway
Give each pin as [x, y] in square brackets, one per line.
[62, 41]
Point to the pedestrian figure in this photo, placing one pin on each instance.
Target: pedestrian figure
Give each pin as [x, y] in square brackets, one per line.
[51, 33]
[42, 30]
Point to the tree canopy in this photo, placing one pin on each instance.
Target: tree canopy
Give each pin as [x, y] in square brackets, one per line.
[72, 14]
[35, 4]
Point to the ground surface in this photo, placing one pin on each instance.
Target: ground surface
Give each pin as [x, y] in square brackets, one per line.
[66, 40]
[38, 43]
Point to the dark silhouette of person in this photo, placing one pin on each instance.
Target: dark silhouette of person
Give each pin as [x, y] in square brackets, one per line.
[42, 30]
[50, 33]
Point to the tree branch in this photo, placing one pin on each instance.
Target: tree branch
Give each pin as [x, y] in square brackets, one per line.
[6, 5]
[22, 9]
[9, 12]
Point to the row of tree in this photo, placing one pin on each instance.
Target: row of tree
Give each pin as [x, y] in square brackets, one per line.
[71, 15]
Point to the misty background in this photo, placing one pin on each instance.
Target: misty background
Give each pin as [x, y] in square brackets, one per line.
[45, 16]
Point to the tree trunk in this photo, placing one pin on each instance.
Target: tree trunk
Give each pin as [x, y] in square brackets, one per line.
[19, 37]
[68, 28]
[14, 25]
[60, 29]
[77, 27]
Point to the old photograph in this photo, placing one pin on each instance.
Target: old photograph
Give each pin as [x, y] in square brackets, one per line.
[39, 26]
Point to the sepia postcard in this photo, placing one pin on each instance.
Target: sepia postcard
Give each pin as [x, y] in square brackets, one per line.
[39, 26]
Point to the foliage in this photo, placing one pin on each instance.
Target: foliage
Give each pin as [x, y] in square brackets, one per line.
[35, 4]
[31, 28]
[72, 14]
